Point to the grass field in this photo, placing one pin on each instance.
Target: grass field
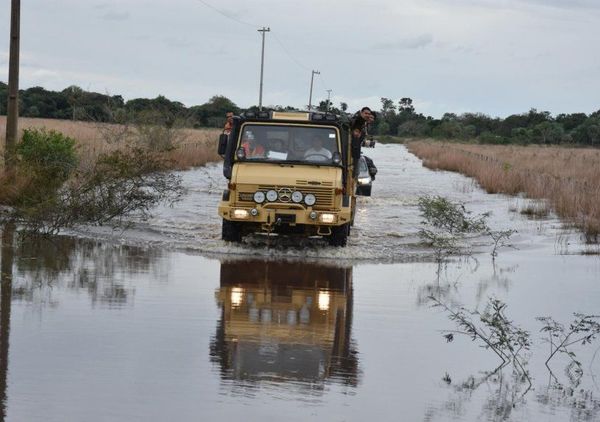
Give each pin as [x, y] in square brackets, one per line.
[569, 178]
[192, 147]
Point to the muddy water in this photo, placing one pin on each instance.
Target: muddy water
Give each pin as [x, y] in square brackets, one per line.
[386, 223]
[165, 321]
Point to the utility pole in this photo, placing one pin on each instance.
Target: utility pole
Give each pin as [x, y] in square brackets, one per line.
[312, 78]
[12, 115]
[262, 65]
[328, 98]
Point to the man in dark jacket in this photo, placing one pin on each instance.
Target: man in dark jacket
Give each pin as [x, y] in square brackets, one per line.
[360, 122]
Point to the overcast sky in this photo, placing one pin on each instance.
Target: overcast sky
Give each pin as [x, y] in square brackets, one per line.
[494, 56]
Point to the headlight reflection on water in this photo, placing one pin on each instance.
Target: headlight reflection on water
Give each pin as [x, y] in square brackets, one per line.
[237, 295]
[323, 301]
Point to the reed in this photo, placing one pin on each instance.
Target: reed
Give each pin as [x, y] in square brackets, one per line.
[191, 148]
[567, 178]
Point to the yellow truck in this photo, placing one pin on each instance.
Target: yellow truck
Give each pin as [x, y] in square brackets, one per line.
[289, 173]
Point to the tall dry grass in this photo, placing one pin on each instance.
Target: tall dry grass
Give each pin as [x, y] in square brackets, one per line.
[192, 147]
[569, 178]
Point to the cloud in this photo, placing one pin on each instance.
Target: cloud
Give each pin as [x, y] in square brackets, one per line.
[405, 44]
[116, 16]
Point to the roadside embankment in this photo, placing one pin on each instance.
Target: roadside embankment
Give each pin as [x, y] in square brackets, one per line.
[568, 178]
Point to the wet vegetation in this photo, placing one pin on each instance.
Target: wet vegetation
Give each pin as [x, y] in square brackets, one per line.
[49, 190]
[566, 178]
[512, 345]
[447, 225]
[494, 331]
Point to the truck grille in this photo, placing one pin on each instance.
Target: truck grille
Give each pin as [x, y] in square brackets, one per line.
[324, 196]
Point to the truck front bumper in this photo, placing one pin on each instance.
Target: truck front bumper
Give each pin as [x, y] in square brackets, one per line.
[271, 214]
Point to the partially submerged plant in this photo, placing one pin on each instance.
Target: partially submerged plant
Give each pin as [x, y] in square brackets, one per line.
[494, 331]
[446, 225]
[500, 239]
[583, 330]
[450, 217]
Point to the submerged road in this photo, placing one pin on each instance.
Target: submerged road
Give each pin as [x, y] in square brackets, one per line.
[386, 223]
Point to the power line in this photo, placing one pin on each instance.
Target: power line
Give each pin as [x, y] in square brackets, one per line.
[227, 15]
[287, 52]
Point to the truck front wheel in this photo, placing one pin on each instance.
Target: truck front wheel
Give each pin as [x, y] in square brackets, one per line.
[230, 231]
[339, 235]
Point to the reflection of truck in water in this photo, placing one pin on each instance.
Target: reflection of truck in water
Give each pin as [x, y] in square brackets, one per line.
[289, 173]
[283, 321]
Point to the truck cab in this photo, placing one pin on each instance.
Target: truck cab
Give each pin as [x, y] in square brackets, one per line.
[289, 173]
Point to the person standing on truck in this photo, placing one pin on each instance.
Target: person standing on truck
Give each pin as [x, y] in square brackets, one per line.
[360, 122]
[317, 152]
[228, 123]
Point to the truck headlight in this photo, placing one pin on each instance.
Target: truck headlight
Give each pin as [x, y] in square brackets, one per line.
[272, 196]
[327, 218]
[297, 197]
[310, 199]
[259, 197]
[364, 180]
[241, 214]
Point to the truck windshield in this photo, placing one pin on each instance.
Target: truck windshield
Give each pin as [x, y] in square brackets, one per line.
[281, 143]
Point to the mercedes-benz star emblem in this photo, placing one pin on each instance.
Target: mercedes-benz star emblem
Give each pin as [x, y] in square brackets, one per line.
[285, 195]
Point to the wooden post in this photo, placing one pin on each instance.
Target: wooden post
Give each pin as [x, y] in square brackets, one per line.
[12, 115]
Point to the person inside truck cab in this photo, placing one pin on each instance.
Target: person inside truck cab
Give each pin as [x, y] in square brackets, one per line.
[317, 152]
[252, 148]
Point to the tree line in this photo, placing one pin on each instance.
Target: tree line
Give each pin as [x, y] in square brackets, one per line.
[74, 103]
[396, 119]
[539, 127]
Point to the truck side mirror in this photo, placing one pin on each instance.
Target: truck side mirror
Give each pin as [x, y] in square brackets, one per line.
[222, 144]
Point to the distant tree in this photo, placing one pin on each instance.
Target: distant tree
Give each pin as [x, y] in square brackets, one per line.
[548, 132]
[406, 105]
[522, 135]
[344, 106]
[383, 128]
[413, 128]
[535, 117]
[571, 121]
[212, 113]
[588, 132]
[387, 106]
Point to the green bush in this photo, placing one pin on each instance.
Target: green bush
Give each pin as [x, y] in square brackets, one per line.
[48, 154]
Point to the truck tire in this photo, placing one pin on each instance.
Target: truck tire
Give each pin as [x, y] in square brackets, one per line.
[230, 231]
[339, 235]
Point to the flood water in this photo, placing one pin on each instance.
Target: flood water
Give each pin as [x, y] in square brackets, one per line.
[165, 321]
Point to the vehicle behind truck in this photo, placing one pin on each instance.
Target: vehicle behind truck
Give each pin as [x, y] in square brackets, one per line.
[289, 173]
